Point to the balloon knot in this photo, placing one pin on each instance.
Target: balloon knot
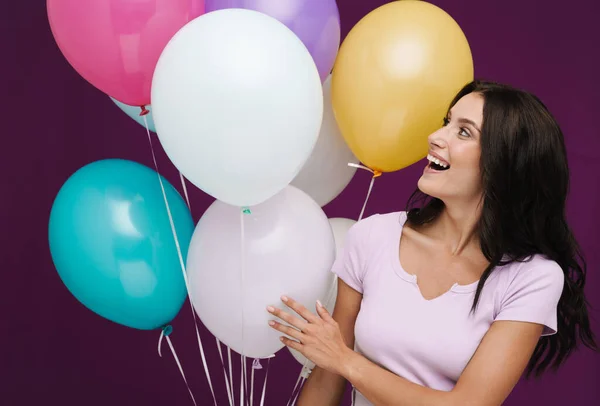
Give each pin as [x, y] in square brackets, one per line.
[246, 210]
[144, 111]
[377, 174]
[256, 364]
[167, 330]
[305, 372]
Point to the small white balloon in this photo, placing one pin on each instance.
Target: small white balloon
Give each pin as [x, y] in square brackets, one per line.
[340, 227]
[326, 172]
[289, 250]
[237, 103]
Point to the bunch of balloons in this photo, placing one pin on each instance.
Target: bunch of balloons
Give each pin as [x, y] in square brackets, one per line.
[256, 104]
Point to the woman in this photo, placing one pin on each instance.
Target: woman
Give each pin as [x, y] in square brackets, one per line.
[449, 302]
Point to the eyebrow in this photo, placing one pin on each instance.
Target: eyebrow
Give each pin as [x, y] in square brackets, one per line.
[466, 121]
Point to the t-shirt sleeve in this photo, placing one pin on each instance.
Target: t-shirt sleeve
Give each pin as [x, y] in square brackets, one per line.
[350, 264]
[533, 295]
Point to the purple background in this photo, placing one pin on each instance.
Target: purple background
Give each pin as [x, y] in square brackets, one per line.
[55, 351]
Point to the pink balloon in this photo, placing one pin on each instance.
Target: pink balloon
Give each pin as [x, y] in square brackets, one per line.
[115, 44]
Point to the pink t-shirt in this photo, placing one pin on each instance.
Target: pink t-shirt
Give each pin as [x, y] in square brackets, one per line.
[430, 342]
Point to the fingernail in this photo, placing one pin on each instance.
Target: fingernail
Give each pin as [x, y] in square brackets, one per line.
[284, 298]
[271, 323]
[281, 338]
[270, 309]
[319, 303]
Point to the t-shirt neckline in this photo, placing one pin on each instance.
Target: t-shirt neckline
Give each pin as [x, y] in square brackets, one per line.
[401, 272]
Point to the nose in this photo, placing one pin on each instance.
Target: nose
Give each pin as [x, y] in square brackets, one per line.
[437, 139]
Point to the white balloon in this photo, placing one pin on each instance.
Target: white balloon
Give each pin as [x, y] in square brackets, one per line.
[289, 250]
[340, 227]
[326, 172]
[238, 103]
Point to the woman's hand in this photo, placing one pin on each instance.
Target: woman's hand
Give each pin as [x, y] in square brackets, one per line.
[317, 337]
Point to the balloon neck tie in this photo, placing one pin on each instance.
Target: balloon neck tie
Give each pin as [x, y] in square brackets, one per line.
[144, 111]
[256, 364]
[246, 210]
[164, 333]
[167, 330]
[305, 372]
[376, 174]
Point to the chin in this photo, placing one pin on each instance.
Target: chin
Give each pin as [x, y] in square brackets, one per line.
[448, 193]
[429, 188]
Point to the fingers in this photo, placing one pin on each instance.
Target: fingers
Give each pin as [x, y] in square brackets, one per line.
[290, 331]
[324, 313]
[292, 344]
[288, 318]
[300, 309]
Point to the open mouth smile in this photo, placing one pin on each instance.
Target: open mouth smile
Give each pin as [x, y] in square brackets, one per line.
[437, 164]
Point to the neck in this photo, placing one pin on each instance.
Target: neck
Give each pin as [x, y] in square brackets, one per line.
[457, 227]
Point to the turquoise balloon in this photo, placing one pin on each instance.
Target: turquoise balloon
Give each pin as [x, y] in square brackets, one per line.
[112, 244]
[134, 112]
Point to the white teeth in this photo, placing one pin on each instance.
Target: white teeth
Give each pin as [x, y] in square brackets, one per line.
[436, 161]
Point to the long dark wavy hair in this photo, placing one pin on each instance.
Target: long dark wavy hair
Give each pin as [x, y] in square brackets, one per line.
[525, 178]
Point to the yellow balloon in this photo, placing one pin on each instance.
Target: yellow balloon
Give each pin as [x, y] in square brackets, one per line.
[395, 75]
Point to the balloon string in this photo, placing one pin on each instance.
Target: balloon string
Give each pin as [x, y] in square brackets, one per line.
[187, 199]
[181, 262]
[264, 391]
[244, 374]
[204, 363]
[229, 391]
[255, 366]
[252, 384]
[242, 380]
[228, 388]
[185, 191]
[242, 284]
[230, 373]
[376, 174]
[299, 391]
[296, 387]
[166, 336]
[245, 379]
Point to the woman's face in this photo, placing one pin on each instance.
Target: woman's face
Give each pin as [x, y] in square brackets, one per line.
[452, 173]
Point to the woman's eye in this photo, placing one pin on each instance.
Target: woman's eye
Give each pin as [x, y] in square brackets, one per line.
[464, 133]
